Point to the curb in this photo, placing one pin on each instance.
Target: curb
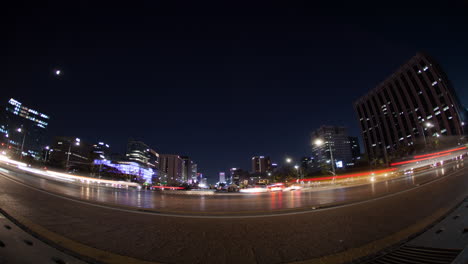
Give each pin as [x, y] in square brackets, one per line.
[70, 247]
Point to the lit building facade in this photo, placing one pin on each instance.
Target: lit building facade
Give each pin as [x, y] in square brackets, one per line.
[23, 129]
[222, 177]
[334, 138]
[194, 172]
[261, 164]
[132, 169]
[70, 153]
[171, 166]
[355, 149]
[141, 153]
[186, 168]
[414, 106]
[101, 151]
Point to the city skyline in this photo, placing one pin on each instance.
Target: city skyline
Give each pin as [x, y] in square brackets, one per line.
[183, 102]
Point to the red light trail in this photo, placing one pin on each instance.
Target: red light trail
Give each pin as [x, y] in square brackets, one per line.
[437, 153]
[416, 160]
[350, 175]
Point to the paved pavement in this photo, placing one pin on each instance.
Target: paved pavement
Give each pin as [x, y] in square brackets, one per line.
[265, 239]
[18, 247]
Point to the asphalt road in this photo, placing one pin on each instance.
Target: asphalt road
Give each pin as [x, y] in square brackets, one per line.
[263, 239]
[221, 204]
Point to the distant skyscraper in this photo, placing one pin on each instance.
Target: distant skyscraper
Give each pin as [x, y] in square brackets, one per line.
[413, 106]
[172, 167]
[194, 172]
[355, 149]
[336, 139]
[23, 128]
[261, 164]
[140, 153]
[186, 169]
[222, 177]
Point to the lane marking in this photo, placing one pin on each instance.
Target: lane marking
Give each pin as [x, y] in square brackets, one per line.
[301, 210]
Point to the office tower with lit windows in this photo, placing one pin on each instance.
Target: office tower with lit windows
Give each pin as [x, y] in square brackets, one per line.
[222, 177]
[71, 153]
[23, 130]
[171, 166]
[261, 164]
[194, 172]
[187, 169]
[415, 109]
[334, 139]
[101, 151]
[355, 148]
[142, 154]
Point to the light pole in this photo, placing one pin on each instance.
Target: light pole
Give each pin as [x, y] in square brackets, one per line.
[298, 171]
[47, 148]
[428, 125]
[320, 142]
[22, 144]
[77, 142]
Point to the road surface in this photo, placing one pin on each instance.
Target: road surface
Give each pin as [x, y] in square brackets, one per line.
[261, 239]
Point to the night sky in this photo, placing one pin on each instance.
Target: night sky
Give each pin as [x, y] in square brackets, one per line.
[219, 83]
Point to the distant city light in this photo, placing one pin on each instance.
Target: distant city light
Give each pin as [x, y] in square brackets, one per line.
[58, 72]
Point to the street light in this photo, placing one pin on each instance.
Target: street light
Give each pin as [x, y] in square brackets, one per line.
[319, 142]
[427, 125]
[77, 142]
[288, 160]
[22, 144]
[47, 148]
[298, 171]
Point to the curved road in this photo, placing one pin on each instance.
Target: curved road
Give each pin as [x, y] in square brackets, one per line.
[264, 239]
[222, 204]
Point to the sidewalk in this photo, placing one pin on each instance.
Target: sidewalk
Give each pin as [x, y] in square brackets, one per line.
[17, 246]
[445, 242]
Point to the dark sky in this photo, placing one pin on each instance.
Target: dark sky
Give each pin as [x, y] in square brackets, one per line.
[219, 83]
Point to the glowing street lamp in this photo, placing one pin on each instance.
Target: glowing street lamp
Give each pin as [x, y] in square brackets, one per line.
[427, 125]
[319, 142]
[20, 130]
[77, 143]
[288, 160]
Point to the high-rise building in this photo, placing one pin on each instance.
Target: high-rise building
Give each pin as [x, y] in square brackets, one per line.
[334, 138]
[261, 164]
[194, 173]
[101, 151]
[141, 153]
[238, 175]
[222, 177]
[23, 129]
[172, 167]
[355, 148]
[187, 168]
[71, 153]
[413, 108]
